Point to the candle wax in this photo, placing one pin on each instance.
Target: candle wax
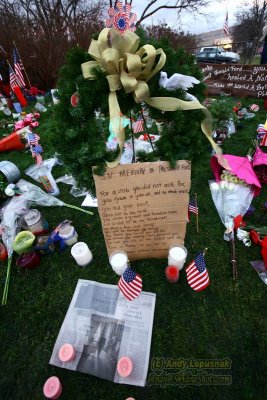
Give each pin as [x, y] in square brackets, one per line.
[118, 260]
[177, 253]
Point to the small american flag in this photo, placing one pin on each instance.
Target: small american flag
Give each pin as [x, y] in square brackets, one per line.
[197, 274]
[138, 126]
[12, 78]
[33, 139]
[18, 66]
[264, 140]
[192, 207]
[226, 26]
[130, 284]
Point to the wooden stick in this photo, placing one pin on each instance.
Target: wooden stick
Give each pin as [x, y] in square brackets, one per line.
[233, 260]
[132, 133]
[197, 226]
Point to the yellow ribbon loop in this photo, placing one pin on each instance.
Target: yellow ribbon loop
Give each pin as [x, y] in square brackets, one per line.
[130, 69]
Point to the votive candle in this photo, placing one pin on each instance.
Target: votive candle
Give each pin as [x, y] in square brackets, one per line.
[172, 273]
[52, 388]
[66, 352]
[81, 253]
[119, 262]
[124, 366]
[177, 255]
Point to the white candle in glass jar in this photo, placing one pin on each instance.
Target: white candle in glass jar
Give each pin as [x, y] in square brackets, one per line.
[119, 262]
[81, 253]
[177, 256]
[68, 234]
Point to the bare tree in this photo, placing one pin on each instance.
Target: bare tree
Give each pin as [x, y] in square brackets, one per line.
[250, 21]
[176, 38]
[45, 29]
[248, 30]
[153, 6]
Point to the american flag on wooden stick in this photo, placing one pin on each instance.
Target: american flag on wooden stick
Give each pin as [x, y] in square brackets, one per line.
[12, 78]
[33, 138]
[138, 125]
[197, 274]
[192, 207]
[18, 66]
[226, 26]
[130, 284]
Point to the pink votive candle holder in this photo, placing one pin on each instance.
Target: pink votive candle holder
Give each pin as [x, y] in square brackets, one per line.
[124, 366]
[52, 388]
[172, 273]
[66, 353]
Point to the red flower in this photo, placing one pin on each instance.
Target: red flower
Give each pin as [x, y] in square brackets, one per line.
[255, 237]
[238, 222]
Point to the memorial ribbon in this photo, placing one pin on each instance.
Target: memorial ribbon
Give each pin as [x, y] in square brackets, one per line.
[129, 68]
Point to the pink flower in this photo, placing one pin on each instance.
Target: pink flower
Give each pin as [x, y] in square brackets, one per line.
[19, 125]
[34, 124]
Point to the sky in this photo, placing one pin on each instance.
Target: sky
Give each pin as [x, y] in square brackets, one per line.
[216, 12]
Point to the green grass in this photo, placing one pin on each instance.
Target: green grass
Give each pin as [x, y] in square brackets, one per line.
[227, 320]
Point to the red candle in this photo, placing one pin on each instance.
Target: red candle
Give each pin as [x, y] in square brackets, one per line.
[28, 260]
[19, 95]
[172, 273]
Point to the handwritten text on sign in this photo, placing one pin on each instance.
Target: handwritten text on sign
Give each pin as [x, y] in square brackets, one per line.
[143, 207]
[237, 80]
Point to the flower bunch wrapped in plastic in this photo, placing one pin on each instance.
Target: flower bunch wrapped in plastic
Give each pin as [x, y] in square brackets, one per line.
[15, 209]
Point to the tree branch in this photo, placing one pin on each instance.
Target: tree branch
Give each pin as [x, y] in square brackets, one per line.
[144, 16]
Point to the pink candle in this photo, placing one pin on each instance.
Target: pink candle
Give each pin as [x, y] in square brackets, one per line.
[124, 366]
[52, 388]
[172, 273]
[66, 353]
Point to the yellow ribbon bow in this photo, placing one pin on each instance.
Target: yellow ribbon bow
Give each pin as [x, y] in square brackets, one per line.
[130, 69]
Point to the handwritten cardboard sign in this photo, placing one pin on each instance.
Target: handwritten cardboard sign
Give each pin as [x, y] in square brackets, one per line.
[143, 207]
[236, 79]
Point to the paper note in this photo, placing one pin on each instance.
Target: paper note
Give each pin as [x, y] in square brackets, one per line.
[143, 207]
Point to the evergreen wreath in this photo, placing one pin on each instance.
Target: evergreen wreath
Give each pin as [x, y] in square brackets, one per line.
[81, 138]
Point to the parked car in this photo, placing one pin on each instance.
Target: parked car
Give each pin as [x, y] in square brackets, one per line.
[217, 55]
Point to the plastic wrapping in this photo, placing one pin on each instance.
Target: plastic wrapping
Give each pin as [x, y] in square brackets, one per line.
[230, 200]
[35, 195]
[127, 154]
[42, 173]
[12, 213]
[75, 190]
[260, 269]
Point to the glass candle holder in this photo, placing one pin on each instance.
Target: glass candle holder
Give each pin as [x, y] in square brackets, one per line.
[28, 260]
[81, 253]
[23, 242]
[68, 234]
[172, 273]
[119, 261]
[35, 222]
[177, 255]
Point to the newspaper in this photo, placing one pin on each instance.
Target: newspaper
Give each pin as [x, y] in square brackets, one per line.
[103, 326]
